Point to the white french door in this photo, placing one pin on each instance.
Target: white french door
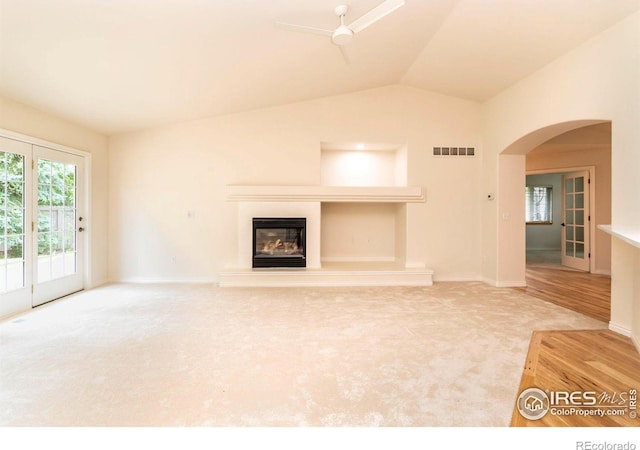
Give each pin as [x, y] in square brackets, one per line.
[40, 220]
[575, 216]
[57, 222]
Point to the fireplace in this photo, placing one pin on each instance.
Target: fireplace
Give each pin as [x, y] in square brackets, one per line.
[279, 242]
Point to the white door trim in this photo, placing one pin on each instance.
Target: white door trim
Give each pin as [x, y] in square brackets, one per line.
[41, 142]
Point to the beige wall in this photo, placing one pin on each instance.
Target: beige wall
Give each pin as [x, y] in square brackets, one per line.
[167, 185]
[18, 118]
[596, 81]
[511, 216]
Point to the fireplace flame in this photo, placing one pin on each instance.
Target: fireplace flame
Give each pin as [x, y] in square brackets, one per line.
[279, 247]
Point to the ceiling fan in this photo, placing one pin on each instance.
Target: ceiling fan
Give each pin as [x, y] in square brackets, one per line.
[343, 35]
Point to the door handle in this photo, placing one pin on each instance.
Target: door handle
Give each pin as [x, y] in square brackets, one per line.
[562, 224]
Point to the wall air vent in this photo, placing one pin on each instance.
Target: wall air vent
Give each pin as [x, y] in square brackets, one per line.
[454, 151]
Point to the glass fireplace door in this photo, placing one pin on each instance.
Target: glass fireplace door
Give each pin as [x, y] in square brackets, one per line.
[279, 242]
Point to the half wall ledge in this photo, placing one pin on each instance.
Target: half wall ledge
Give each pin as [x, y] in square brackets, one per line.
[630, 235]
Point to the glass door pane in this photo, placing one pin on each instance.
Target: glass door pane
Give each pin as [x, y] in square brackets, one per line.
[56, 215]
[12, 222]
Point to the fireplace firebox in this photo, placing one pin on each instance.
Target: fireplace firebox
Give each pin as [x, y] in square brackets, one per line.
[279, 242]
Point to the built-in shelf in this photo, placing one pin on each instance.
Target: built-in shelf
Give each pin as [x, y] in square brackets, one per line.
[630, 235]
[378, 194]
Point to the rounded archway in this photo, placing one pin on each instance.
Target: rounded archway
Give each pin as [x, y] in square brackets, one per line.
[528, 142]
[512, 169]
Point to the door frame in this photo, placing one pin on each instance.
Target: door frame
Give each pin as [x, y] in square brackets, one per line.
[86, 236]
[592, 203]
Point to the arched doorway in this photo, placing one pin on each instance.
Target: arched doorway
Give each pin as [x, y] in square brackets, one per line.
[558, 149]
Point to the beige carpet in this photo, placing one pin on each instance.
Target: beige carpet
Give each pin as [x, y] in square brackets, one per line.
[197, 355]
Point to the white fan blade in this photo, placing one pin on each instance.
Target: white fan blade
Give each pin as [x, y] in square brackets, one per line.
[345, 53]
[304, 29]
[377, 13]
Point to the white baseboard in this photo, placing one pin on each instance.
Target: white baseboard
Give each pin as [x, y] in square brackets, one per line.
[98, 283]
[636, 342]
[143, 280]
[503, 284]
[457, 278]
[602, 272]
[620, 330]
[489, 281]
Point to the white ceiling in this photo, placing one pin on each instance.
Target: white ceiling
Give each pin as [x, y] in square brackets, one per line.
[121, 65]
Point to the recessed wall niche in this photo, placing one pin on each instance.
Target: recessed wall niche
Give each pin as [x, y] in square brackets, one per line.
[363, 164]
[361, 232]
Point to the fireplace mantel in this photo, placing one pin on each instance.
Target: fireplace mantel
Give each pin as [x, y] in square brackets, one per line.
[306, 201]
[351, 194]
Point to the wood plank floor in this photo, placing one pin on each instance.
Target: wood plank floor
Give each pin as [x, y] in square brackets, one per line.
[594, 360]
[583, 292]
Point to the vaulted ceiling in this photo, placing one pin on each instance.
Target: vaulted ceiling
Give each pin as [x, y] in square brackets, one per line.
[121, 65]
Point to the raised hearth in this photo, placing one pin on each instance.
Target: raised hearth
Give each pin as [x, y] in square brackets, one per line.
[331, 274]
